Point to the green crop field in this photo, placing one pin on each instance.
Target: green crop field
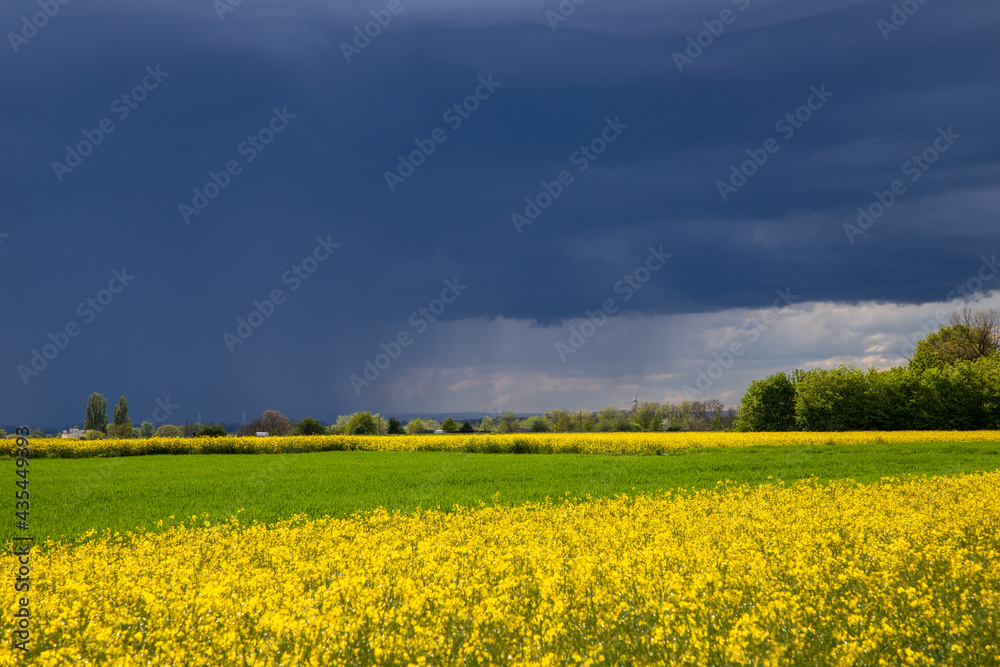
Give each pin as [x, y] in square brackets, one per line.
[70, 496]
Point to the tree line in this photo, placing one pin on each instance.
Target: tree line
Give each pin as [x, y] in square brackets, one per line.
[952, 382]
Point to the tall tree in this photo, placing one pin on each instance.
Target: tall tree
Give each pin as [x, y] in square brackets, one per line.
[123, 425]
[97, 414]
[273, 422]
[969, 335]
[121, 412]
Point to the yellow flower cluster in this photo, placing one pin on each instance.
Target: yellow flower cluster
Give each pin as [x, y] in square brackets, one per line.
[894, 573]
[521, 443]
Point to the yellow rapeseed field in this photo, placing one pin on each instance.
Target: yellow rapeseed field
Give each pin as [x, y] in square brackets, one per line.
[903, 572]
[545, 443]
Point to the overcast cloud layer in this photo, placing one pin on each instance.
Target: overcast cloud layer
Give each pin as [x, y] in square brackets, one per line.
[689, 202]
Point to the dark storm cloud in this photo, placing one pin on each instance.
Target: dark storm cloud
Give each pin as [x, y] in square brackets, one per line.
[324, 176]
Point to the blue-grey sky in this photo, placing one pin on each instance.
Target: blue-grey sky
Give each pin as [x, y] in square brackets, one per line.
[586, 200]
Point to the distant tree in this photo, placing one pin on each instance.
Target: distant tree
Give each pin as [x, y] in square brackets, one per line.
[768, 405]
[618, 420]
[245, 430]
[585, 420]
[211, 431]
[432, 425]
[449, 425]
[646, 416]
[273, 422]
[121, 412]
[190, 430]
[3, 433]
[507, 423]
[536, 424]
[309, 426]
[970, 335]
[122, 427]
[416, 425]
[466, 427]
[362, 423]
[146, 430]
[394, 427]
[562, 420]
[135, 432]
[97, 413]
[486, 424]
[94, 434]
[611, 419]
[169, 431]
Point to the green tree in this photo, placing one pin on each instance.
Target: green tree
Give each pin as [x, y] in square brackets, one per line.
[122, 424]
[362, 423]
[536, 424]
[273, 422]
[449, 425]
[486, 424]
[169, 431]
[466, 427]
[416, 425]
[97, 414]
[969, 335]
[394, 427]
[146, 430]
[94, 434]
[647, 417]
[309, 426]
[507, 422]
[768, 405]
[562, 421]
[212, 431]
[121, 412]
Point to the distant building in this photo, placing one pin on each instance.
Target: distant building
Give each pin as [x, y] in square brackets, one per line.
[262, 434]
[74, 433]
[438, 431]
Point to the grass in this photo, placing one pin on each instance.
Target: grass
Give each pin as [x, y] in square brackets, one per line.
[70, 496]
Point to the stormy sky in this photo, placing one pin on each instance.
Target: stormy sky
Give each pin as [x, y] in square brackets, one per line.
[437, 206]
